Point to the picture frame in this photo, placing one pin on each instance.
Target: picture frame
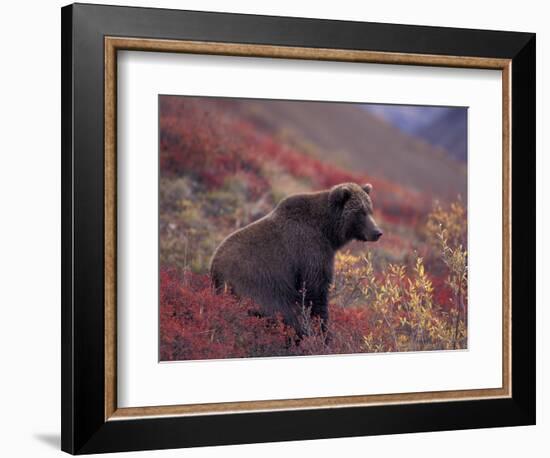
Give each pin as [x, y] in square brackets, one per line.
[92, 35]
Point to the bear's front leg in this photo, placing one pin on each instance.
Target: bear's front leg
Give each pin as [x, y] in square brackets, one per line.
[319, 308]
[310, 303]
[313, 284]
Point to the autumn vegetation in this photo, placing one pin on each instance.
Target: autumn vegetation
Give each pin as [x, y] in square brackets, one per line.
[220, 171]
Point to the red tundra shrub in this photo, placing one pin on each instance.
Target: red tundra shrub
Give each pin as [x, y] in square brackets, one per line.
[195, 323]
[345, 334]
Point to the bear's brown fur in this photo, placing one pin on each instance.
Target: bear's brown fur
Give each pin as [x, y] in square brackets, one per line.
[285, 260]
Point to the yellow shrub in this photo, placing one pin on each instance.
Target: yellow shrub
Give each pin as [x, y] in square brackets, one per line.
[403, 312]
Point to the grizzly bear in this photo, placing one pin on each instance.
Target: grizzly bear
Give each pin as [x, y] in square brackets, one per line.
[284, 261]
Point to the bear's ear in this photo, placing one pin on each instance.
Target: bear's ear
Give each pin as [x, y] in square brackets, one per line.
[339, 196]
[367, 188]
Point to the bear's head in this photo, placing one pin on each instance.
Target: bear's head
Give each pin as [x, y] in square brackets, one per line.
[352, 211]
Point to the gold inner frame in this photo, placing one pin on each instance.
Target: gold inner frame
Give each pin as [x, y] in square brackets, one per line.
[112, 45]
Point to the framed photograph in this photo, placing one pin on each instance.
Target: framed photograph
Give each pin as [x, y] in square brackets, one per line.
[282, 228]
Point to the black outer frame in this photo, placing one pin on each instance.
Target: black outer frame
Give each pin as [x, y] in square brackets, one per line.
[84, 429]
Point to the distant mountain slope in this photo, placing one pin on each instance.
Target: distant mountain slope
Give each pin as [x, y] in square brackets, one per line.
[447, 132]
[349, 136]
[443, 127]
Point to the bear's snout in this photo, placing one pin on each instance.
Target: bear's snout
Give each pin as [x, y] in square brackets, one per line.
[375, 235]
